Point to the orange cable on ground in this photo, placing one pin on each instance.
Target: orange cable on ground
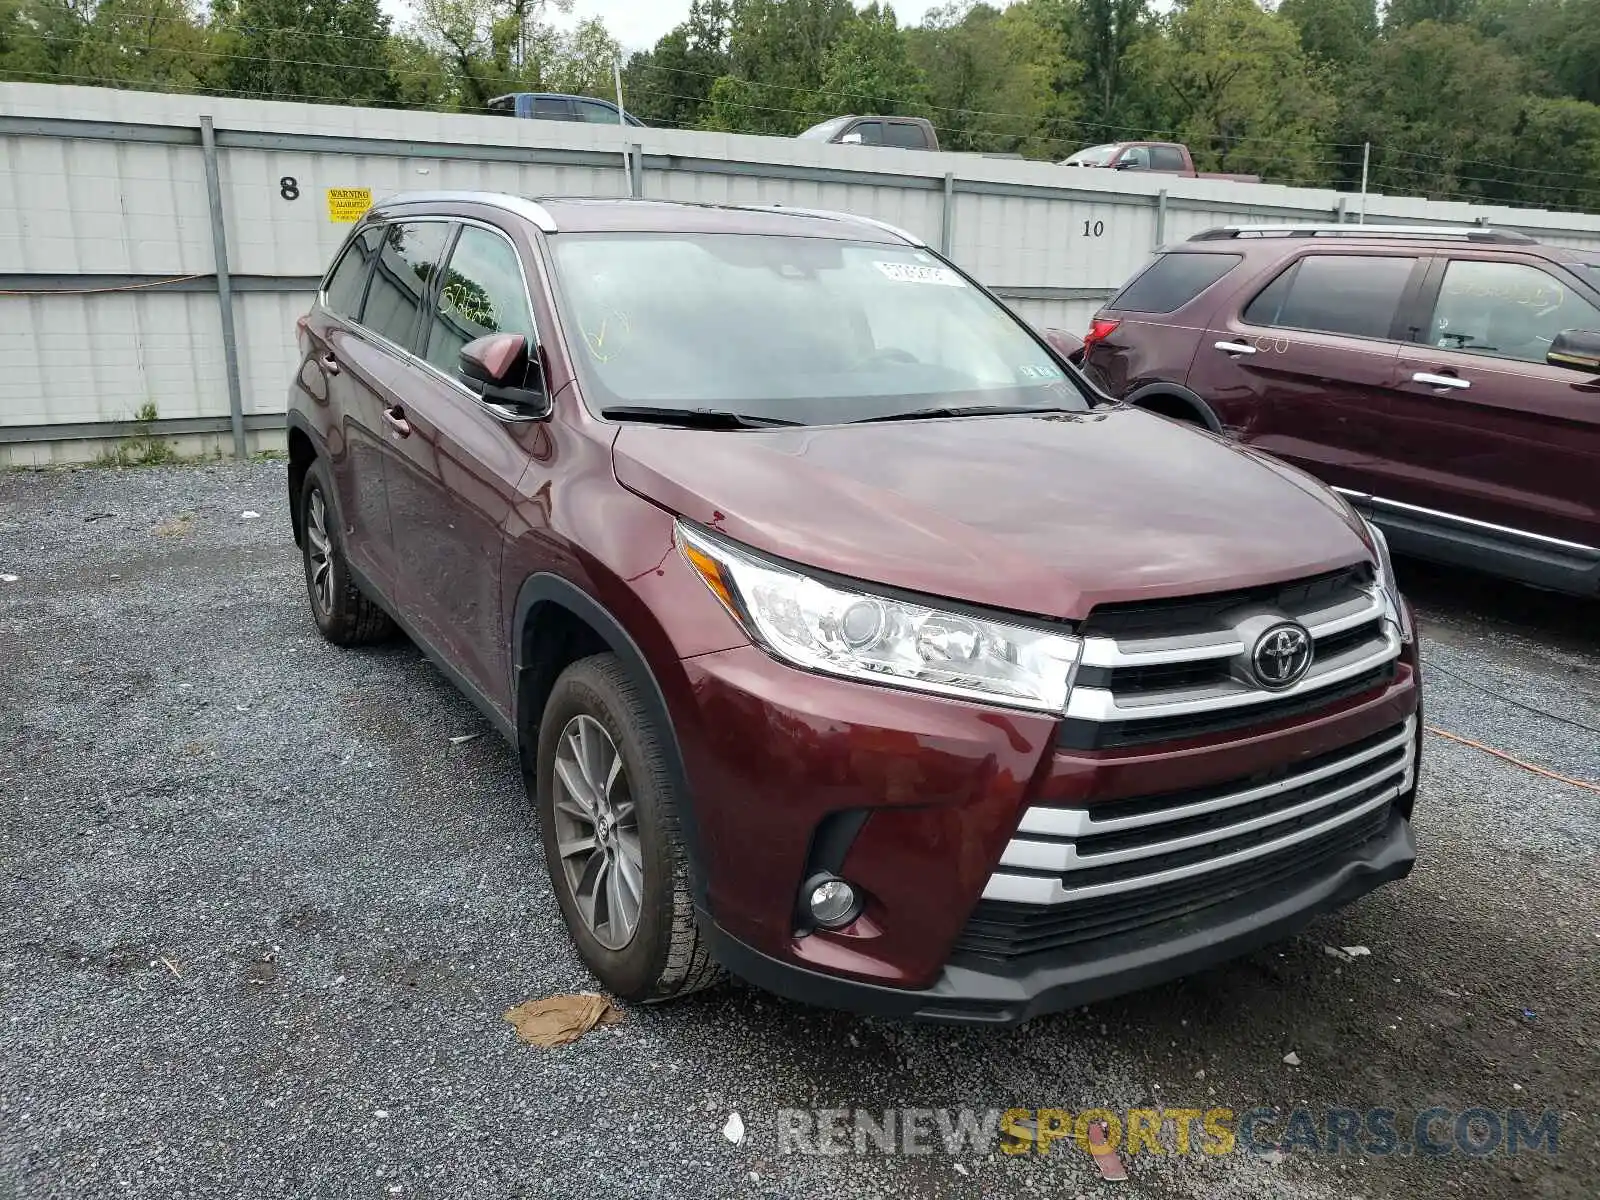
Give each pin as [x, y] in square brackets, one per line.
[1456, 737]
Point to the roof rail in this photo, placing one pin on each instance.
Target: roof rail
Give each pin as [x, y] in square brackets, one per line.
[1469, 233]
[831, 214]
[521, 205]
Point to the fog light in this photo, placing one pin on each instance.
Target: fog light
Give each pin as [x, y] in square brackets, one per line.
[833, 903]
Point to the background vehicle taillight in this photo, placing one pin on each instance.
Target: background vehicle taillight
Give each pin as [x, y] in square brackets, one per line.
[1099, 329]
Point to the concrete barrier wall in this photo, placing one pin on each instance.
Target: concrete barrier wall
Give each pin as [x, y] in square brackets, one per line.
[109, 278]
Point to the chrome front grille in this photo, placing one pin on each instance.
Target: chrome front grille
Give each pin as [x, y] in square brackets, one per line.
[1065, 856]
[1179, 669]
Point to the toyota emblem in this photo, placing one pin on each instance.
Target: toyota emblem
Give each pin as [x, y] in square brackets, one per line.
[1282, 656]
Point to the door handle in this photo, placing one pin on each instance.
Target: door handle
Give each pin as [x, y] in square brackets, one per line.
[396, 417]
[1441, 381]
[1234, 347]
[330, 362]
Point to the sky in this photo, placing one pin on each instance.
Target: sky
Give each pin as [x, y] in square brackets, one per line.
[637, 24]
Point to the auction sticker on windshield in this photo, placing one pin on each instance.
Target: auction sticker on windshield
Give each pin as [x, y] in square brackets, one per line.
[904, 272]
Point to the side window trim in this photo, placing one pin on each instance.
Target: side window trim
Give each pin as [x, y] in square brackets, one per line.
[419, 358]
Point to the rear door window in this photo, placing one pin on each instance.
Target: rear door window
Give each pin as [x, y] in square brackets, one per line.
[1352, 294]
[406, 267]
[596, 113]
[1173, 280]
[552, 108]
[347, 283]
[905, 134]
[483, 293]
[1167, 158]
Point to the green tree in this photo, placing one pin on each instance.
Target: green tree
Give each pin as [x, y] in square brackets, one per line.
[867, 70]
[777, 52]
[1403, 13]
[1231, 81]
[1440, 105]
[1001, 82]
[1107, 31]
[1336, 32]
[327, 50]
[671, 84]
[491, 47]
[39, 38]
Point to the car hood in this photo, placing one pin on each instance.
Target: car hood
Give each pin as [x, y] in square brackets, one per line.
[1049, 514]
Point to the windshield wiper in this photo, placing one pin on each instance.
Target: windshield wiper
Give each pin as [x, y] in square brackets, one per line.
[693, 418]
[926, 414]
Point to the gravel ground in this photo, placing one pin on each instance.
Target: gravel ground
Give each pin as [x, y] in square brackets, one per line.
[260, 920]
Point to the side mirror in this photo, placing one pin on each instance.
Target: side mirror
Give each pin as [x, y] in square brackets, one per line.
[1578, 349]
[504, 369]
[850, 139]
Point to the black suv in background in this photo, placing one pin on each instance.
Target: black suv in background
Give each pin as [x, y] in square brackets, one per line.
[1445, 380]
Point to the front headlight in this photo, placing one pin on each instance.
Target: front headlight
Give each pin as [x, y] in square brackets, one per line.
[1394, 606]
[849, 631]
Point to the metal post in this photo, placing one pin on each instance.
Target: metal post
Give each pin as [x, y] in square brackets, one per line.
[1366, 157]
[1161, 218]
[622, 120]
[946, 220]
[219, 249]
[636, 183]
[1341, 214]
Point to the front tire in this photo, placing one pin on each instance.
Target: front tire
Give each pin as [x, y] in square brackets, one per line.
[344, 615]
[608, 814]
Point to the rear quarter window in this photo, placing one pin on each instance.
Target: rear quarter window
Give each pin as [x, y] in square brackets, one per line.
[347, 283]
[1172, 281]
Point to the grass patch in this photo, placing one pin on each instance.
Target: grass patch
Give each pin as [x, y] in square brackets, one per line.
[144, 448]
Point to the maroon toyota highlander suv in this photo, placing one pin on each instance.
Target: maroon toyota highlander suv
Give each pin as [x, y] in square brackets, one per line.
[849, 639]
[1445, 380]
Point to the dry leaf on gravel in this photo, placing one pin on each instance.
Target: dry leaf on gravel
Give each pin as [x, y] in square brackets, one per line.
[176, 526]
[557, 1020]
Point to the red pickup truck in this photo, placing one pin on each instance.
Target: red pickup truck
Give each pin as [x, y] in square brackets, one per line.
[1163, 158]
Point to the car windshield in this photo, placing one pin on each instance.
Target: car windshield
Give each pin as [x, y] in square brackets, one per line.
[825, 130]
[1094, 156]
[804, 330]
[1593, 271]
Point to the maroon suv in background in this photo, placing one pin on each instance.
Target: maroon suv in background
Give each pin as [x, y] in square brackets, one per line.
[847, 637]
[1446, 381]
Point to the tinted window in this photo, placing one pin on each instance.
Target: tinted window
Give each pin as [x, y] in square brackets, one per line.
[483, 293]
[804, 329]
[594, 113]
[1508, 310]
[552, 108]
[349, 278]
[1351, 294]
[1135, 158]
[1173, 280]
[904, 133]
[871, 132]
[1167, 158]
[406, 265]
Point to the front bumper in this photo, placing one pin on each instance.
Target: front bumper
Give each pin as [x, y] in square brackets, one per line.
[966, 994]
[916, 799]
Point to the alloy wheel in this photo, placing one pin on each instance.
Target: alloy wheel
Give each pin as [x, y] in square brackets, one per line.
[319, 553]
[597, 832]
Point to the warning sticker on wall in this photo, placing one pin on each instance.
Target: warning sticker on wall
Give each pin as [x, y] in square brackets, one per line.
[348, 204]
